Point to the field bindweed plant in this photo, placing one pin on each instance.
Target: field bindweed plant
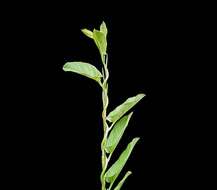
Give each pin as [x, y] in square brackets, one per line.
[114, 123]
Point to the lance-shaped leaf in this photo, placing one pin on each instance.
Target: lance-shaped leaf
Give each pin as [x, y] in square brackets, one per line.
[100, 40]
[116, 133]
[84, 69]
[120, 184]
[116, 168]
[88, 33]
[119, 111]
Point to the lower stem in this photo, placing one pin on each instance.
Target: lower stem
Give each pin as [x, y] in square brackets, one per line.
[104, 157]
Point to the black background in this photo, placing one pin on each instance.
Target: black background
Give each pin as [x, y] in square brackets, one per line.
[53, 119]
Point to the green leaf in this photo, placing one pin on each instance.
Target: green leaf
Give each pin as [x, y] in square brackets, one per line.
[120, 184]
[103, 28]
[116, 133]
[116, 168]
[100, 40]
[88, 33]
[119, 111]
[84, 69]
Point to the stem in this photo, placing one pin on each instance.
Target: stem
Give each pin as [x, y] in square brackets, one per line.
[105, 101]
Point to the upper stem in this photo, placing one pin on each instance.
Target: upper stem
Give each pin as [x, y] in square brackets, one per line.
[105, 101]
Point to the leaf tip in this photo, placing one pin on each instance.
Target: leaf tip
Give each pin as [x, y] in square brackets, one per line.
[130, 115]
[87, 33]
[65, 67]
[141, 95]
[136, 139]
[103, 28]
[129, 173]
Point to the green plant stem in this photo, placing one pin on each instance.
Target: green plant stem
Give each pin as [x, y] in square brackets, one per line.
[105, 101]
[110, 139]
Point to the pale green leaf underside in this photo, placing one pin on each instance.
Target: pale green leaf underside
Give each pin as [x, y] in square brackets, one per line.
[119, 111]
[116, 168]
[84, 69]
[120, 184]
[88, 33]
[116, 133]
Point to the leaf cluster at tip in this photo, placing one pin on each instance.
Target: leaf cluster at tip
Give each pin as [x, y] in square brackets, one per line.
[86, 69]
[99, 37]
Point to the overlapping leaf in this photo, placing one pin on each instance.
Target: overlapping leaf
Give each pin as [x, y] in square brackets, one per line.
[116, 133]
[119, 111]
[116, 168]
[84, 69]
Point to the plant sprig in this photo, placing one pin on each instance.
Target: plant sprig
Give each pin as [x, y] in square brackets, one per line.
[114, 123]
